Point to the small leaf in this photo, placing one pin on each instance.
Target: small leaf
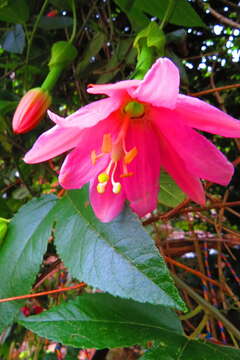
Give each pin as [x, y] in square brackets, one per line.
[170, 194]
[56, 22]
[101, 320]
[14, 40]
[21, 253]
[181, 348]
[15, 11]
[117, 257]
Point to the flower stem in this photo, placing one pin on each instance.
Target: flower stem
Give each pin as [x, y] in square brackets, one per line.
[52, 78]
[168, 13]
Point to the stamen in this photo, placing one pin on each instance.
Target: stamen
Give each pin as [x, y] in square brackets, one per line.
[107, 144]
[127, 174]
[116, 188]
[103, 177]
[93, 157]
[101, 187]
[130, 155]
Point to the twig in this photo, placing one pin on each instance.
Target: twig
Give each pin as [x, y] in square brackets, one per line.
[208, 307]
[28, 296]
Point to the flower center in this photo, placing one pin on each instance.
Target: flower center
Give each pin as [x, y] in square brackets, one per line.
[134, 109]
[117, 151]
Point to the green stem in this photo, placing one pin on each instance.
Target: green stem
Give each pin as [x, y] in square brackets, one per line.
[168, 13]
[52, 78]
[208, 307]
[200, 327]
[34, 30]
[192, 313]
[74, 29]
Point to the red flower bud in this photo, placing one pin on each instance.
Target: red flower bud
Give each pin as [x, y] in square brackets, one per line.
[30, 110]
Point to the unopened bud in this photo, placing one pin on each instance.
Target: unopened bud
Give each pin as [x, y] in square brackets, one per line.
[30, 110]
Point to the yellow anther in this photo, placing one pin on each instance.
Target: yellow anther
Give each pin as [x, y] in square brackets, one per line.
[103, 177]
[116, 188]
[130, 155]
[107, 144]
[93, 157]
[101, 188]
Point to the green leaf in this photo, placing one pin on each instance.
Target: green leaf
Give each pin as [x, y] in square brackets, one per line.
[117, 257]
[101, 320]
[22, 252]
[137, 18]
[93, 48]
[6, 106]
[182, 348]
[15, 11]
[170, 194]
[120, 55]
[183, 14]
[14, 40]
[56, 22]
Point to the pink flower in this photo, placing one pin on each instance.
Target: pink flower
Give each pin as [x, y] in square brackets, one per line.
[120, 143]
[30, 110]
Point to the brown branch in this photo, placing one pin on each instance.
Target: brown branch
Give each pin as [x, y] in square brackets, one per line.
[209, 91]
[219, 17]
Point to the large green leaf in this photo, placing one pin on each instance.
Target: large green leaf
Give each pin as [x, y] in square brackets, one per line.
[101, 320]
[22, 252]
[14, 11]
[183, 14]
[117, 257]
[170, 194]
[181, 348]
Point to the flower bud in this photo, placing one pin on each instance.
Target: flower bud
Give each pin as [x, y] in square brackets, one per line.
[30, 110]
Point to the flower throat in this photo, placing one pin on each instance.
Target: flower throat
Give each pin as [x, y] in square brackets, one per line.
[117, 150]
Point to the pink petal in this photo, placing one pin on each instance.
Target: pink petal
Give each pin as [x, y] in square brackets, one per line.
[58, 120]
[52, 143]
[200, 115]
[108, 205]
[77, 168]
[89, 115]
[112, 89]
[160, 85]
[201, 157]
[176, 167]
[142, 187]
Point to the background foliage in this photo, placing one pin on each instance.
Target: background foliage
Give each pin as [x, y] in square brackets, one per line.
[122, 300]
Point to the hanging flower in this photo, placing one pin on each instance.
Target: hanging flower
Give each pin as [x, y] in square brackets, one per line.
[30, 110]
[120, 143]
